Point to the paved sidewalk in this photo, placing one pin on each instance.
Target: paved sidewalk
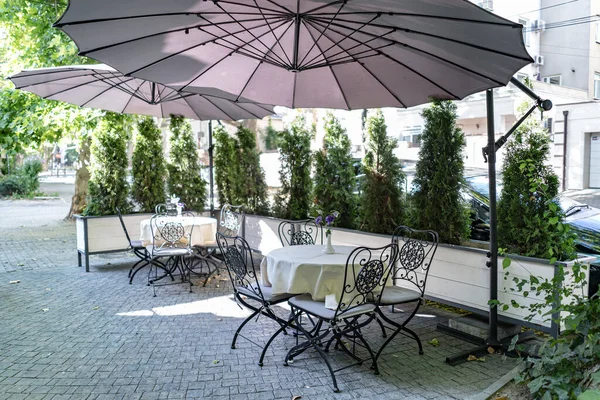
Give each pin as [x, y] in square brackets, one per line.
[67, 334]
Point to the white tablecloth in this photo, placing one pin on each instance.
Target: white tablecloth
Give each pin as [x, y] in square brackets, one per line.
[203, 233]
[306, 269]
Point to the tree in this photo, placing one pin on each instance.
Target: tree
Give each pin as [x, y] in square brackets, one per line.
[225, 164]
[436, 202]
[270, 137]
[528, 214]
[108, 187]
[334, 174]
[251, 186]
[381, 205]
[184, 166]
[148, 166]
[293, 200]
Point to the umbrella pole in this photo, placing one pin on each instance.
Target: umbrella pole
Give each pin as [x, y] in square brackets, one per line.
[210, 168]
[489, 154]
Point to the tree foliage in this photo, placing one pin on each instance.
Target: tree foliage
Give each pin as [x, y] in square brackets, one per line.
[381, 203]
[184, 166]
[270, 137]
[436, 202]
[108, 187]
[528, 214]
[293, 200]
[148, 166]
[240, 178]
[334, 173]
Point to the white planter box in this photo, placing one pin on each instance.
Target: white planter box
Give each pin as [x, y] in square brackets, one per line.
[97, 235]
[458, 275]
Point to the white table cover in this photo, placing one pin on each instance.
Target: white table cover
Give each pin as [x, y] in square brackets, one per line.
[306, 269]
[203, 233]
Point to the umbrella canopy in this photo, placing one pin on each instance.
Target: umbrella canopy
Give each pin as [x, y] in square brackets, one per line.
[344, 54]
[100, 86]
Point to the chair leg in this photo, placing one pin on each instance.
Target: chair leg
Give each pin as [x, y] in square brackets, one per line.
[312, 341]
[237, 333]
[399, 329]
[132, 275]
[280, 330]
[383, 332]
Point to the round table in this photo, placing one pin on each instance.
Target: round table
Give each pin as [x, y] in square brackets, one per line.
[203, 233]
[306, 269]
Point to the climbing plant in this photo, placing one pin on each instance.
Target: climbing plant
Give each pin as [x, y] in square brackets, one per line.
[381, 203]
[148, 166]
[184, 166]
[293, 199]
[334, 174]
[436, 202]
[108, 187]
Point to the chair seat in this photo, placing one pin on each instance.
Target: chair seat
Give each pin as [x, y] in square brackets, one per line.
[306, 303]
[136, 244]
[397, 295]
[166, 251]
[267, 293]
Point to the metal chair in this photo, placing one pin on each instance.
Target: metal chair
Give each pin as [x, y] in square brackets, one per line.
[417, 248]
[231, 223]
[238, 260]
[367, 270]
[138, 249]
[171, 239]
[305, 231]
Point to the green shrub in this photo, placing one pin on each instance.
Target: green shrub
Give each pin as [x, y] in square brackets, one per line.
[108, 187]
[293, 200]
[528, 214]
[184, 166]
[436, 202]
[225, 164]
[381, 204]
[334, 174]
[148, 166]
[14, 185]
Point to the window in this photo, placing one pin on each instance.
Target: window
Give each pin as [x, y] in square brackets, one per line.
[522, 77]
[597, 32]
[597, 85]
[412, 135]
[486, 4]
[526, 32]
[553, 80]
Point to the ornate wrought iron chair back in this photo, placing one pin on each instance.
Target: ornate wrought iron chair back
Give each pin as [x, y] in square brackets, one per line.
[417, 248]
[169, 209]
[305, 231]
[367, 271]
[170, 233]
[238, 260]
[231, 220]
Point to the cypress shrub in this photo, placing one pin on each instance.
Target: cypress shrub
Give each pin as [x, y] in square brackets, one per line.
[148, 166]
[184, 166]
[293, 200]
[381, 204]
[250, 186]
[436, 201]
[108, 187]
[226, 165]
[334, 174]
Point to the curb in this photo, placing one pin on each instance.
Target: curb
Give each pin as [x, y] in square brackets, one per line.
[494, 387]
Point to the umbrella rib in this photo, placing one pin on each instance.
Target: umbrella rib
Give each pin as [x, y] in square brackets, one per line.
[256, 69]
[275, 36]
[338, 43]
[351, 57]
[370, 73]
[129, 101]
[403, 14]
[429, 54]
[71, 88]
[84, 53]
[259, 52]
[343, 3]
[219, 108]
[209, 68]
[187, 49]
[333, 73]
[185, 98]
[416, 72]
[44, 82]
[430, 35]
[97, 95]
[246, 5]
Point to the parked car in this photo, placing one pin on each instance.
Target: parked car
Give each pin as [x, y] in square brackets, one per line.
[583, 219]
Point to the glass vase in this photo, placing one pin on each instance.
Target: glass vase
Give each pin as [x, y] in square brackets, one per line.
[328, 248]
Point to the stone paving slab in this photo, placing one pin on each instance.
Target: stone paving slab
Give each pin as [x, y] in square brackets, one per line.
[67, 334]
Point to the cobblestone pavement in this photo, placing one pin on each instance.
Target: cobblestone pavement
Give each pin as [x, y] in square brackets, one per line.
[67, 334]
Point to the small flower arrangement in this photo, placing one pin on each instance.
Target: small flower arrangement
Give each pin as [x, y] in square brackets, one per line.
[326, 221]
[175, 200]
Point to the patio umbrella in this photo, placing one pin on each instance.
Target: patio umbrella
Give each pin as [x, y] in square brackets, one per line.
[343, 54]
[100, 86]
